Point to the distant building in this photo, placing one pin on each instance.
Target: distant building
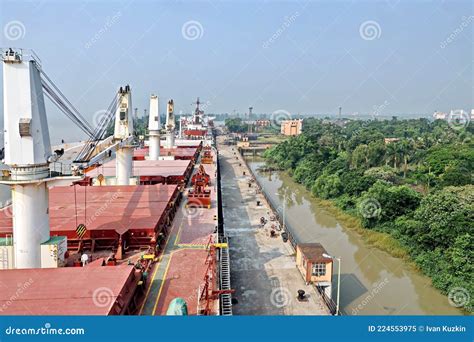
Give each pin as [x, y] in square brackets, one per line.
[263, 123]
[291, 127]
[314, 267]
[453, 113]
[439, 115]
[390, 140]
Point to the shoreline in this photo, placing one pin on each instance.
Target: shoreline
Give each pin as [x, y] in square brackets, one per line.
[383, 242]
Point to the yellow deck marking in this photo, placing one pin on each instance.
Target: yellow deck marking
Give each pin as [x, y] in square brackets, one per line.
[154, 274]
[162, 283]
[166, 270]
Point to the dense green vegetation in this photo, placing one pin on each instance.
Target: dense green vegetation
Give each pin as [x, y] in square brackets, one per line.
[236, 125]
[419, 188]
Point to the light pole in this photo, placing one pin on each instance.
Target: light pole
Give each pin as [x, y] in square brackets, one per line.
[338, 279]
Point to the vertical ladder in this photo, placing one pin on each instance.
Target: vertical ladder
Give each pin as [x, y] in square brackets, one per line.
[224, 271]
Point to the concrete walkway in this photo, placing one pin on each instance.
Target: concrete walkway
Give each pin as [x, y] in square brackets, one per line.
[263, 269]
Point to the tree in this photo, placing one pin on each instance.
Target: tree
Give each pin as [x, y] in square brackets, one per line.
[445, 214]
[392, 154]
[327, 186]
[393, 201]
[236, 125]
[405, 148]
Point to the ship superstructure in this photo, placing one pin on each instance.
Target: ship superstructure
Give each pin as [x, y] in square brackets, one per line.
[146, 218]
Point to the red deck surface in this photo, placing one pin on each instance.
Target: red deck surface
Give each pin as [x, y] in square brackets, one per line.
[195, 132]
[162, 168]
[185, 275]
[117, 208]
[178, 153]
[183, 265]
[65, 291]
[196, 231]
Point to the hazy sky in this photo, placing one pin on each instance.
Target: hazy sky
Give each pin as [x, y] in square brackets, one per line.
[299, 56]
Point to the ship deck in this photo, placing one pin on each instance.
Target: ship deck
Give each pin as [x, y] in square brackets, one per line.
[158, 171]
[68, 291]
[106, 211]
[136, 214]
[182, 266]
[184, 153]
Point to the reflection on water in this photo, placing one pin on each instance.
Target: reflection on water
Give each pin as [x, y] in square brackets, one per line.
[372, 282]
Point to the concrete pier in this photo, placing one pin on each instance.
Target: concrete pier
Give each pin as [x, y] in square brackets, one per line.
[263, 268]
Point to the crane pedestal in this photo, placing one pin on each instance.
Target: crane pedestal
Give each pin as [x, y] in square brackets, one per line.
[154, 152]
[124, 165]
[30, 222]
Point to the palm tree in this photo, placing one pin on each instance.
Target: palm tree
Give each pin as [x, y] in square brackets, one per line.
[392, 154]
[405, 148]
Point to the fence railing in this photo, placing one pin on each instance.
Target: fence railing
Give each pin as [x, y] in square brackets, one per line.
[330, 303]
[283, 223]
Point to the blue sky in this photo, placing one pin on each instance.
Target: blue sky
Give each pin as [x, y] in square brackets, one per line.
[299, 56]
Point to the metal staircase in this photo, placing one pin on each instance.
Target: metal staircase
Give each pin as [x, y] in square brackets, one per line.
[224, 271]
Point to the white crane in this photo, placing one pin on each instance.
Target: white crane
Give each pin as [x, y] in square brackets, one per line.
[123, 134]
[170, 124]
[154, 128]
[28, 154]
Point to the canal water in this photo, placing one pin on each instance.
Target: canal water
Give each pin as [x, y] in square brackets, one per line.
[372, 282]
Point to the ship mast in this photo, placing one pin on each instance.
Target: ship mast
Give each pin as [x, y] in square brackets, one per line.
[154, 128]
[124, 132]
[170, 124]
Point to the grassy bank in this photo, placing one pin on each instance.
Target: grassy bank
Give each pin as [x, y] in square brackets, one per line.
[382, 241]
